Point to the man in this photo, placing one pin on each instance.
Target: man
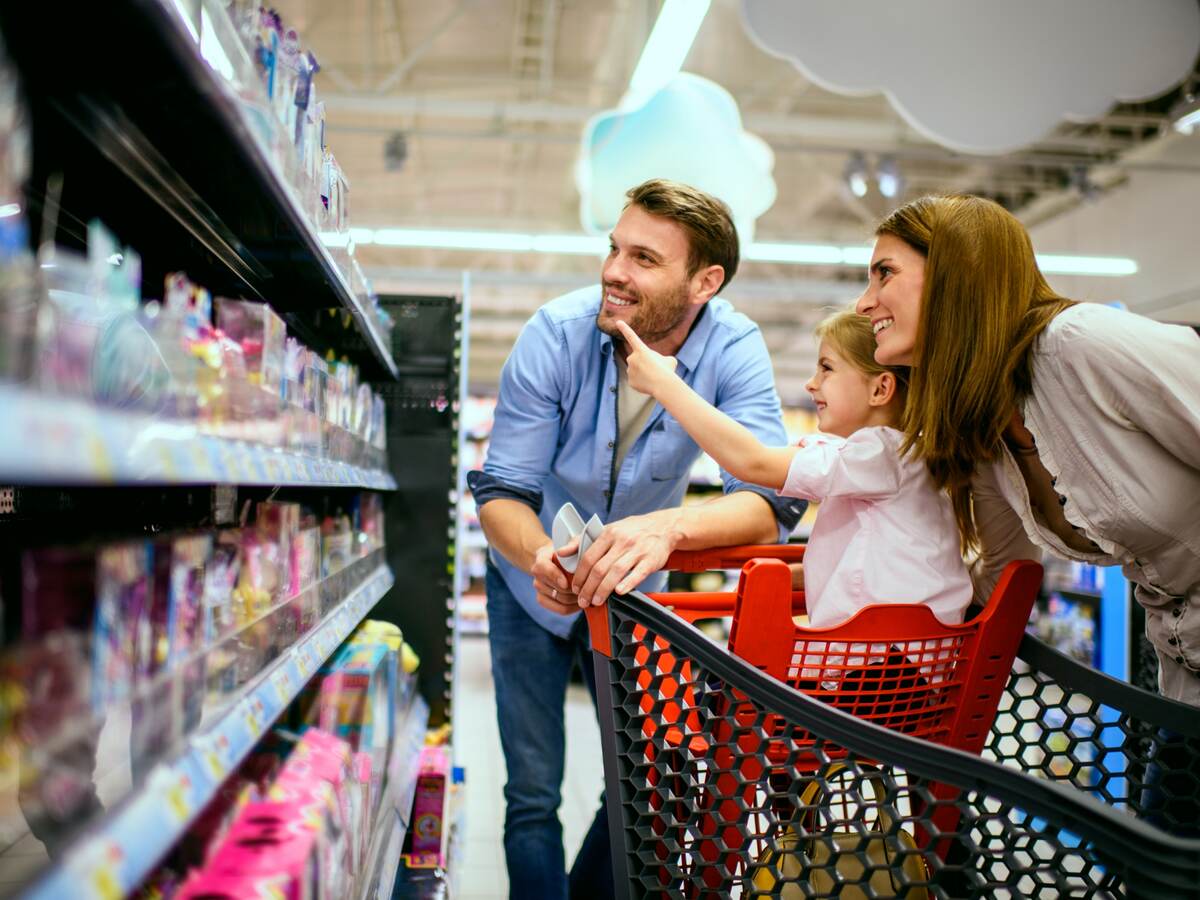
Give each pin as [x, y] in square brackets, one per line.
[568, 427]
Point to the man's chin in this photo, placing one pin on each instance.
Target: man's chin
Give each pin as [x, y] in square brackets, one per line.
[607, 323]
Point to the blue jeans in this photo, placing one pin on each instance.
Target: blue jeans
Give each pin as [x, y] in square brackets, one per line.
[531, 667]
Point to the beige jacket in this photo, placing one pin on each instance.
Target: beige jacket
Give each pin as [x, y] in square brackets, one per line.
[1115, 412]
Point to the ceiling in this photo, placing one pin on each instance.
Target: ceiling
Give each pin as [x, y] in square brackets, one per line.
[469, 113]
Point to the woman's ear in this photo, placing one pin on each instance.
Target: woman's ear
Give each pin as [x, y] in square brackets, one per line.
[883, 389]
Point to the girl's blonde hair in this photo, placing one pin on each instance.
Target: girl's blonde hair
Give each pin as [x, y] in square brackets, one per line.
[983, 303]
[852, 337]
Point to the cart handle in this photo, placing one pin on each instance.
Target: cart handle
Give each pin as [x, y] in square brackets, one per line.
[732, 557]
[693, 606]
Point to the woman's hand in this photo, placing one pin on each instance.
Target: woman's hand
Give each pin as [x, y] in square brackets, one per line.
[648, 370]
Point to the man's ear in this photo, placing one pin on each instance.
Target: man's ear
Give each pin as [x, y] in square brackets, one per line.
[883, 389]
[706, 282]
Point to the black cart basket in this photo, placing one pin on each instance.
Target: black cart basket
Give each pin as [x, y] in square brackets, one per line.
[724, 781]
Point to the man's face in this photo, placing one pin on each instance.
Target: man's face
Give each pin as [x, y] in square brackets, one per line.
[645, 279]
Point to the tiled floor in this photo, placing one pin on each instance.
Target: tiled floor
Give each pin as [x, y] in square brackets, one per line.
[477, 741]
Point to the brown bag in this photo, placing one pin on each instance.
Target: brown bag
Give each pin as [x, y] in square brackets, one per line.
[894, 867]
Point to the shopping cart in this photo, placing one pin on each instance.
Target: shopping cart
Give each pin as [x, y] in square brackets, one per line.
[889, 756]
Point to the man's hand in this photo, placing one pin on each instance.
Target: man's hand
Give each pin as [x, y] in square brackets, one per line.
[550, 583]
[648, 370]
[623, 556]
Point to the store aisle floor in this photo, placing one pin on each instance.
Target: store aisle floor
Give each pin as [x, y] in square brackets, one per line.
[477, 739]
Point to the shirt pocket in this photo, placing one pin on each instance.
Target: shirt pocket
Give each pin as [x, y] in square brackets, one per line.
[672, 451]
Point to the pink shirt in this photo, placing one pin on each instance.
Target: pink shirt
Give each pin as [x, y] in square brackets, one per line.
[883, 534]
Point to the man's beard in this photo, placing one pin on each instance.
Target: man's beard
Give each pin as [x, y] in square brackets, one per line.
[653, 318]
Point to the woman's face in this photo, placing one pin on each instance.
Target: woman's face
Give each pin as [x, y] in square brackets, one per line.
[892, 299]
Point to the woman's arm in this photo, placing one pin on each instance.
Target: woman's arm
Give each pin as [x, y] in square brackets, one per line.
[1002, 536]
[732, 445]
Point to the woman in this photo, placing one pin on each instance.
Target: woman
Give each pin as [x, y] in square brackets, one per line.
[1060, 426]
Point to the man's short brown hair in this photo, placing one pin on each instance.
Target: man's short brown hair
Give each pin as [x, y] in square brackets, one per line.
[712, 239]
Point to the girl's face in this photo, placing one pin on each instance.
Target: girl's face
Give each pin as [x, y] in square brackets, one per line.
[892, 299]
[842, 393]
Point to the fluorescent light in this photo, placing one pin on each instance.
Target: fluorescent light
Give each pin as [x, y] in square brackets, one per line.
[512, 242]
[335, 239]
[581, 244]
[801, 254]
[856, 255]
[666, 48]
[10, 209]
[1056, 264]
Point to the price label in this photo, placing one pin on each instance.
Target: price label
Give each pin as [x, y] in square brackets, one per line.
[253, 724]
[179, 800]
[213, 764]
[105, 874]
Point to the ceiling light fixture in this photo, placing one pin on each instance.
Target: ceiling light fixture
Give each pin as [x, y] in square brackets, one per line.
[887, 176]
[856, 175]
[856, 255]
[1185, 115]
[666, 48]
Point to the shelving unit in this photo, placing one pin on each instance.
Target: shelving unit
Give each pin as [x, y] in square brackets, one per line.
[64, 441]
[154, 156]
[146, 122]
[392, 820]
[114, 858]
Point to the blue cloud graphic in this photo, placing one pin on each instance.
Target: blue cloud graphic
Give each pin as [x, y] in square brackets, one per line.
[689, 131]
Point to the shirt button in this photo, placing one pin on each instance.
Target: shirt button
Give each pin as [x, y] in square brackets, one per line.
[1172, 641]
[1177, 612]
[1062, 501]
[1179, 659]
[613, 389]
[607, 494]
[611, 445]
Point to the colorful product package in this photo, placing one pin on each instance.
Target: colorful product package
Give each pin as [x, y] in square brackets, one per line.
[429, 828]
[122, 639]
[354, 698]
[261, 335]
[219, 886]
[271, 840]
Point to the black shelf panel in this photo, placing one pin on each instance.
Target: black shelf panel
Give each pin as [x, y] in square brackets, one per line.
[126, 92]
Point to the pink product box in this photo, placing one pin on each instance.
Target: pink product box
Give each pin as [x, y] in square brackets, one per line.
[261, 335]
[275, 839]
[214, 886]
[429, 805]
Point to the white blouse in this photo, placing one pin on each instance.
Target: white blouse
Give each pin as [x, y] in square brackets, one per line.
[883, 534]
[1115, 414]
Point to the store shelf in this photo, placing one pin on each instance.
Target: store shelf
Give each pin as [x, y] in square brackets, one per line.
[64, 441]
[112, 859]
[392, 819]
[184, 138]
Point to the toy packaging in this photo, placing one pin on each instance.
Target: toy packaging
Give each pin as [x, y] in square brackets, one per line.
[429, 827]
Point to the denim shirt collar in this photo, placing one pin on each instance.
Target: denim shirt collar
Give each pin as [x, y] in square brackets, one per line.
[693, 345]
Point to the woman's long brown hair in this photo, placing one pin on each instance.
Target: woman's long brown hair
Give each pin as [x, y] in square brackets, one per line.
[983, 304]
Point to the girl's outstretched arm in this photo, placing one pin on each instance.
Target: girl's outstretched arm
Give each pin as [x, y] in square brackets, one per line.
[732, 445]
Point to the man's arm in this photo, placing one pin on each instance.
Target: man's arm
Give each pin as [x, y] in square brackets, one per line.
[515, 532]
[632, 549]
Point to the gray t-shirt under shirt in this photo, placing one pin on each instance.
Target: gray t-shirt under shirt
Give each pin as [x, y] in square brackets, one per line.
[633, 411]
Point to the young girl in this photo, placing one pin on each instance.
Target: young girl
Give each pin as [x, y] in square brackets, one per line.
[884, 533]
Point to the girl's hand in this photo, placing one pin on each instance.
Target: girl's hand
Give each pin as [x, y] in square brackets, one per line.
[648, 370]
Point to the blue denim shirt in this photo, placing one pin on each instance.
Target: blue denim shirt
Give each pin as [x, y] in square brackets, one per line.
[555, 433]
